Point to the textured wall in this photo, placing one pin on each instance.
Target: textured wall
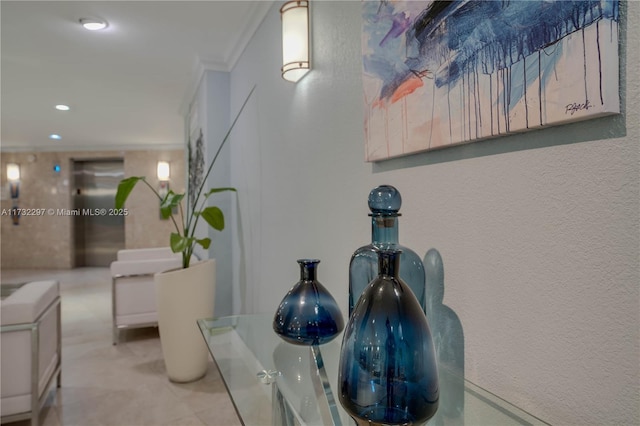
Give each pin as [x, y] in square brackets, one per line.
[39, 241]
[143, 226]
[539, 232]
[46, 241]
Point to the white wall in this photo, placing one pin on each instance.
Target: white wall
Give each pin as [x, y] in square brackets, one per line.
[211, 109]
[539, 232]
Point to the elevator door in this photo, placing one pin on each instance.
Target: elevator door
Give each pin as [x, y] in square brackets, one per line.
[99, 233]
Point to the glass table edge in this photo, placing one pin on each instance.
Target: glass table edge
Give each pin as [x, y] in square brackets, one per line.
[220, 325]
[202, 325]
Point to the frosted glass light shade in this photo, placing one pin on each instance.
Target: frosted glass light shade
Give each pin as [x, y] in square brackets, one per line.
[295, 40]
[92, 24]
[13, 172]
[163, 170]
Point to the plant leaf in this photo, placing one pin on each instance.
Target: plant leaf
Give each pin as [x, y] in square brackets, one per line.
[179, 243]
[205, 242]
[214, 190]
[170, 201]
[214, 217]
[124, 189]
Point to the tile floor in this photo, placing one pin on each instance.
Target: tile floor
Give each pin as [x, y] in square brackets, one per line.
[122, 385]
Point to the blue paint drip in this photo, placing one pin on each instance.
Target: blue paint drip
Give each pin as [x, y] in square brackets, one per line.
[451, 39]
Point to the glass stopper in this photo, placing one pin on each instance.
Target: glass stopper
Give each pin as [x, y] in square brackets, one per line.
[385, 200]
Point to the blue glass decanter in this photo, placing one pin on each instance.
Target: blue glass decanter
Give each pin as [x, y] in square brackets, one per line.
[384, 203]
[308, 314]
[388, 372]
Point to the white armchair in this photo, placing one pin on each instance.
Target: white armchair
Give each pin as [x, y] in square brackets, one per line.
[133, 289]
[31, 349]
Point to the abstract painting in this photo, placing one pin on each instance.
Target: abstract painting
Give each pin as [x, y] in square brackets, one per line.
[441, 73]
[196, 167]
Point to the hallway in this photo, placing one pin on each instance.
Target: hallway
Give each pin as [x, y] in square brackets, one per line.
[123, 385]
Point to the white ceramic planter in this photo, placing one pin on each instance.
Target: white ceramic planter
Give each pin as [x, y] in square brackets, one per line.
[184, 296]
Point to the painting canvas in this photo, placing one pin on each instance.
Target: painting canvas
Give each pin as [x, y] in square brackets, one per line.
[195, 153]
[440, 73]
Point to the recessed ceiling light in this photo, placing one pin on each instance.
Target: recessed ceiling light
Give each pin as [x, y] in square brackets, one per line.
[54, 136]
[62, 107]
[93, 24]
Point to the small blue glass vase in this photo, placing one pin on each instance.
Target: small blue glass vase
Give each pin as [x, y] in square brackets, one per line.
[308, 314]
[388, 372]
[384, 202]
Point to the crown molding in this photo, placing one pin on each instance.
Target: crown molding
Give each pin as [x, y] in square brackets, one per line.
[257, 13]
[256, 16]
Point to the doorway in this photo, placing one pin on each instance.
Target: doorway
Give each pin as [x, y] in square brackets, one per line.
[99, 232]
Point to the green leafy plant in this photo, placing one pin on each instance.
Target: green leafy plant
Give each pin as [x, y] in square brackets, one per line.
[183, 240]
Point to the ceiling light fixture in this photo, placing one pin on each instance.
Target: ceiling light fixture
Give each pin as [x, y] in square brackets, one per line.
[62, 107]
[93, 24]
[54, 136]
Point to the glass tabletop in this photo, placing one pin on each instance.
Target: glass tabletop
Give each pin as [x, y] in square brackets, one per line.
[271, 381]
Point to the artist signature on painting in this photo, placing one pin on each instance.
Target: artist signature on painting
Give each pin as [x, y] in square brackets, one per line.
[575, 107]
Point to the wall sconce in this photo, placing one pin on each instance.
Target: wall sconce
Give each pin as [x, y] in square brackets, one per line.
[13, 172]
[163, 172]
[295, 39]
[13, 176]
